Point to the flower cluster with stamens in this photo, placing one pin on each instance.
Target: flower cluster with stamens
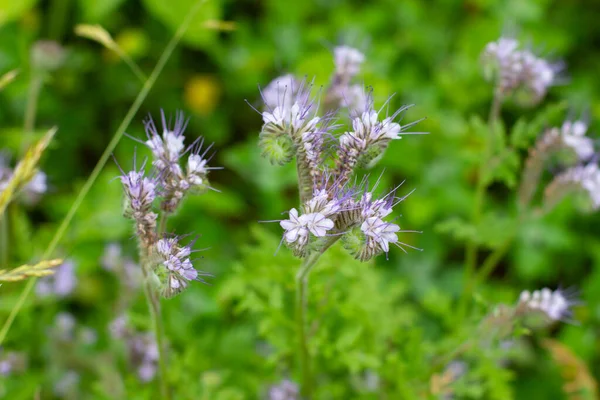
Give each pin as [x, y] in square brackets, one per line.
[516, 70]
[327, 157]
[326, 161]
[165, 257]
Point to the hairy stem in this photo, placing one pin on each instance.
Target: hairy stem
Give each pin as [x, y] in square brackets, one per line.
[157, 325]
[309, 262]
[103, 159]
[480, 191]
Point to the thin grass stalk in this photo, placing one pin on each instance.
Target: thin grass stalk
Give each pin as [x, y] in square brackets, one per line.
[103, 159]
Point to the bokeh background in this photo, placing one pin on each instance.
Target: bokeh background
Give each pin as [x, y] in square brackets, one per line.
[427, 53]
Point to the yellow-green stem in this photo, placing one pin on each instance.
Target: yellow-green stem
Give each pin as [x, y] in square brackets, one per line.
[103, 159]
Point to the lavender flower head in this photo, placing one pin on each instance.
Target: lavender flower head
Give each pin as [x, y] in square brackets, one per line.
[515, 70]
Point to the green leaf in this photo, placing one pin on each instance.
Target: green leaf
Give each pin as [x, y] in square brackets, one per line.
[11, 9]
[173, 12]
[96, 11]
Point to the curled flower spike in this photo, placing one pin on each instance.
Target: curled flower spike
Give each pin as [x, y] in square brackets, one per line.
[168, 147]
[293, 118]
[515, 69]
[570, 136]
[368, 140]
[581, 177]
[174, 269]
[140, 193]
[555, 305]
[167, 150]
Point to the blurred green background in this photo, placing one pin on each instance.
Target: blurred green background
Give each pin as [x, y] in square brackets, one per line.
[425, 52]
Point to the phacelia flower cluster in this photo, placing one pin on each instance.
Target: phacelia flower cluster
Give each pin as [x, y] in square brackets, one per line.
[518, 71]
[569, 140]
[168, 150]
[554, 305]
[174, 266]
[170, 180]
[327, 157]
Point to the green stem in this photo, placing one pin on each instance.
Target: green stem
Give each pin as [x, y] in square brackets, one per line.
[301, 322]
[103, 159]
[472, 247]
[301, 285]
[157, 325]
[33, 94]
[491, 262]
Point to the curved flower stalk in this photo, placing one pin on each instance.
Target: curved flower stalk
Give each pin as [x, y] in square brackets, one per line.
[330, 208]
[165, 261]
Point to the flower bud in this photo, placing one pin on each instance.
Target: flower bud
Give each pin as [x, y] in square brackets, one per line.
[359, 245]
[278, 149]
